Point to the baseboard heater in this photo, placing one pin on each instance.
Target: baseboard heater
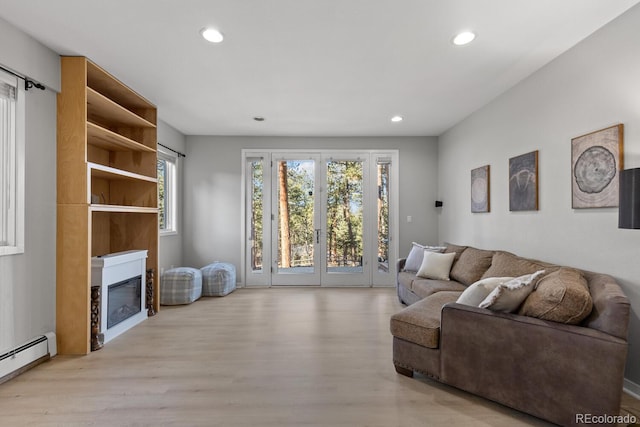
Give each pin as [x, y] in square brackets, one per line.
[26, 356]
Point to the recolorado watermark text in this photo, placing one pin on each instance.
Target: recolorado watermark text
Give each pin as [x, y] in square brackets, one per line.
[606, 419]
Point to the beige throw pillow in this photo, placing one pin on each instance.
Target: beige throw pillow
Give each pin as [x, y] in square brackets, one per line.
[562, 296]
[507, 297]
[436, 266]
[477, 292]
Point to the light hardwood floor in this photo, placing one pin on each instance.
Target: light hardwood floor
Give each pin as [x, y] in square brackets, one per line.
[257, 357]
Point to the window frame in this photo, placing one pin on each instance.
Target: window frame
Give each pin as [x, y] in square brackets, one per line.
[14, 163]
[170, 195]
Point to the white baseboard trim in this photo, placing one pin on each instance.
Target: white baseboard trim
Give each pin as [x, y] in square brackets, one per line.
[631, 388]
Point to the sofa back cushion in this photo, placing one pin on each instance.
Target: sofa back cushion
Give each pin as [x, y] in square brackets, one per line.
[562, 296]
[471, 265]
[456, 249]
[508, 264]
[610, 313]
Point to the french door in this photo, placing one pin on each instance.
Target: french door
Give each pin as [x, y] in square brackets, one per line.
[295, 225]
[319, 218]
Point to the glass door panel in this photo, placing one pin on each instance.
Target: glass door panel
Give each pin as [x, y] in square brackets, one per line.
[345, 252]
[256, 219]
[382, 210]
[296, 233]
[344, 217]
[258, 227]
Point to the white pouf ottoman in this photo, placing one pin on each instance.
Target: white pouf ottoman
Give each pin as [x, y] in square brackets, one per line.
[218, 279]
[182, 285]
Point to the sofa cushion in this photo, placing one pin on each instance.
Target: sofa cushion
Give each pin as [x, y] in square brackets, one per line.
[451, 248]
[406, 279]
[478, 291]
[425, 287]
[610, 313]
[507, 264]
[416, 255]
[508, 296]
[471, 265]
[420, 323]
[562, 296]
[436, 266]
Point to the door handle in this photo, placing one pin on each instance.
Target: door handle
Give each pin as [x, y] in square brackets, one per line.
[317, 236]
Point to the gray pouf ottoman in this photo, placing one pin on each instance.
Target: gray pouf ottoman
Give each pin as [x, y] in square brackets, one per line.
[182, 285]
[218, 279]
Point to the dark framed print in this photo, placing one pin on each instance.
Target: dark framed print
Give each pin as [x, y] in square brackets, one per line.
[596, 159]
[523, 182]
[480, 189]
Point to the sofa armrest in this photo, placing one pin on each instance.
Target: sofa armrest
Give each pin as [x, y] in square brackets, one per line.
[400, 264]
[550, 370]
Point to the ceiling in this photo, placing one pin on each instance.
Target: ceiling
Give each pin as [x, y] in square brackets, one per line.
[314, 67]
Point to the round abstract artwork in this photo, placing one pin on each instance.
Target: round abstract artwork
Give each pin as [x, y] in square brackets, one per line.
[596, 159]
[594, 170]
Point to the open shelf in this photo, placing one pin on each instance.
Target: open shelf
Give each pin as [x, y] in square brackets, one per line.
[113, 174]
[112, 141]
[104, 83]
[122, 209]
[110, 112]
[117, 188]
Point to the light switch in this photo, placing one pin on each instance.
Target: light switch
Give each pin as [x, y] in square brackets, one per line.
[409, 218]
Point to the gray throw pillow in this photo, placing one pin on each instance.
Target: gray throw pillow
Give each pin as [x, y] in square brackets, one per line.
[416, 255]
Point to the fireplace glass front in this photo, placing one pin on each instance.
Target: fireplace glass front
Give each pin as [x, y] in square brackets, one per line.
[124, 300]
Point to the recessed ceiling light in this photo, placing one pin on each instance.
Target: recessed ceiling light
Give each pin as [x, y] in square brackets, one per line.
[212, 35]
[463, 38]
[397, 119]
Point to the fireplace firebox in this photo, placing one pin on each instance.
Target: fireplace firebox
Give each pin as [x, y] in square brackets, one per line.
[122, 291]
[123, 300]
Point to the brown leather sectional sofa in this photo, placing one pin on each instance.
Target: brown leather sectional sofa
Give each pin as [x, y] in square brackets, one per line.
[552, 370]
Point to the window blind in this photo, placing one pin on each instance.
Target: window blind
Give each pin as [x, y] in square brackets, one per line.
[7, 91]
[7, 159]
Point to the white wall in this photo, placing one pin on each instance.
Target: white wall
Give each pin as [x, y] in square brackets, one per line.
[170, 246]
[594, 85]
[29, 280]
[213, 222]
[24, 54]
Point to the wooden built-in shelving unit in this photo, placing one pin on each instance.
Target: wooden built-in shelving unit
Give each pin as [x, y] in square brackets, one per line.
[107, 188]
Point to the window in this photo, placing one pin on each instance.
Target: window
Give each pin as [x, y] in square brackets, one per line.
[12, 116]
[167, 193]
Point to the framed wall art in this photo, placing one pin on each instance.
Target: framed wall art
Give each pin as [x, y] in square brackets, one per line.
[596, 159]
[523, 182]
[480, 185]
